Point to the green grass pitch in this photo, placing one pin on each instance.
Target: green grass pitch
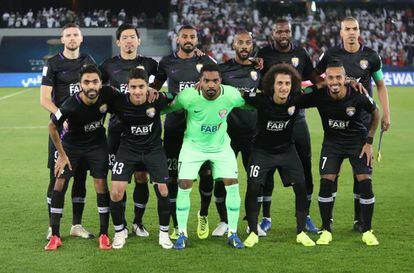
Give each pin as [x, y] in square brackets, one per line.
[23, 217]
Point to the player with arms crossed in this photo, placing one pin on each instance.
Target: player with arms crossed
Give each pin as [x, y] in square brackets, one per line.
[60, 80]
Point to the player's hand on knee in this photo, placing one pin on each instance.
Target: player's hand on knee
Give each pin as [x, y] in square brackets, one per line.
[61, 162]
[367, 150]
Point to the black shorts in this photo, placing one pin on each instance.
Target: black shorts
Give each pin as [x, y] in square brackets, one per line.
[128, 161]
[173, 140]
[96, 158]
[332, 157]
[241, 143]
[287, 163]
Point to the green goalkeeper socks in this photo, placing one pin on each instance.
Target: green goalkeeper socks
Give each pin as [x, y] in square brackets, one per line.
[183, 208]
[233, 206]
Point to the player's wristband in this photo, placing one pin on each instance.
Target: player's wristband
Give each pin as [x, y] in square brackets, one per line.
[58, 114]
[369, 140]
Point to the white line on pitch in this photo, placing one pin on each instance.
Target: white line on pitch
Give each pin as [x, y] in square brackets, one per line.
[15, 94]
[21, 127]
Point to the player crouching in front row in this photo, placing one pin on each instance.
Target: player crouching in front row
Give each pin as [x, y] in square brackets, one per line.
[85, 139]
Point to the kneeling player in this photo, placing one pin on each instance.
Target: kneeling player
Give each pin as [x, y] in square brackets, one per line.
[84, 140]
[140, 144]
[273, 148]
[341, 112]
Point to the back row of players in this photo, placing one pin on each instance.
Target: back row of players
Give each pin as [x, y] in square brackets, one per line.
[182, 69]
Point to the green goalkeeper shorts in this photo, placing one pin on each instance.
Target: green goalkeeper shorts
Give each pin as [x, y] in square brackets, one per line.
[223, 163]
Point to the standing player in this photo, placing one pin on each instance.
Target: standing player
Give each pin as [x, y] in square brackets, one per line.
[60, 80]
[206, 139]
[273, 147]
[241, 73]
[282, 50]
[182, 69]
[115, 72]
[343, 114]
[361, 64]
[140, 144]
[84, 140]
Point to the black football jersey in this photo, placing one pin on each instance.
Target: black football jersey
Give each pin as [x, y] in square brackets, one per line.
[274, 122]
[85, 122]
[141, 124]
[358, 66]
[245, 78]
[63, 75]
[342, 120]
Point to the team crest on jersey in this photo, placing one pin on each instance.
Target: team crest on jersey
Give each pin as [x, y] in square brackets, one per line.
[199, 66]
[295, 61]
[254, 75]
[363, 64]
[291, 110]
[103, 108]
[350, 111]
[223, 113]
[151, 112]
[141, 67]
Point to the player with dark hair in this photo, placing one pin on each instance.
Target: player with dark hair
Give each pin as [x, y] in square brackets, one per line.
[182, 70]
[84, 140]
[60, 80]
[239, 72]
[273, 147]
[343, 113]
[361, 64]
[140, 145]
[282, 50]
[206, 139]
[115, 72]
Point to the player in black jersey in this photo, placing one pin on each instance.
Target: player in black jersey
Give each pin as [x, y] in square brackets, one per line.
[361, 64]
[241, 73]
[273, 147]
[60, 80]
[282, 50]
[343, 115]
[84, 140]
[182, 69]
[115, 72]
[140, 145]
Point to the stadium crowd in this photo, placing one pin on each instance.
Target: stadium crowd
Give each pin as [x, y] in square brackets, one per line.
[389, 32]
[57, 17]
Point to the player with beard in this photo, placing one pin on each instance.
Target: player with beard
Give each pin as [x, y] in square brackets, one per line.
[115, 72]
[282, 50]
[84, 140]
[60, 81]
[343, 115]
[182, 70]
[241, 73]
[361, 64]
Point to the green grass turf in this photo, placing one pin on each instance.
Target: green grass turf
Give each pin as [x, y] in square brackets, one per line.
[23, 217]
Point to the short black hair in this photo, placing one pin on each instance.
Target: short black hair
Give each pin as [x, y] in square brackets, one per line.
[335, 63]
[89, 68]
[187, 27]
[124, 27]
[138, 73]
[70, 25]
[282, 21]
[270, 77]
[210, 68]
